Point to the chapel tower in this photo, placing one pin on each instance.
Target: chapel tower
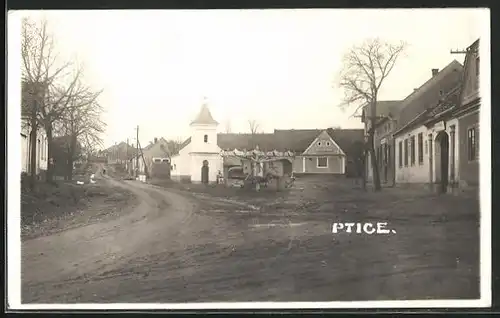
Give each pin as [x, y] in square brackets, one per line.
[204, 132]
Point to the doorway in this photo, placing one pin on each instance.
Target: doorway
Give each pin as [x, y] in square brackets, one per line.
[204, 172]
[442, 160]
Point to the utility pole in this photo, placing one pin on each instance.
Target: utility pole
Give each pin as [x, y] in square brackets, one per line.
[458, 51]
[126, 158]
[137, 154]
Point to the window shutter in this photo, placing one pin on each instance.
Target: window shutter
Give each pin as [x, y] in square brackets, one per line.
[477, 142]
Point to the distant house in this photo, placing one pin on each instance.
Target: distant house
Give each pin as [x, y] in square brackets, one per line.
[317, 151]
[119, 153]
[414, 139]
[386, 112]
[41, 149]
[26, 131]
[156, 156]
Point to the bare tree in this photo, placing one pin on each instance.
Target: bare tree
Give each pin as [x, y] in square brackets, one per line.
[365, 69]
[228, 126]
[50, 84]
[174, 145]
[82, 123]
[254, 126]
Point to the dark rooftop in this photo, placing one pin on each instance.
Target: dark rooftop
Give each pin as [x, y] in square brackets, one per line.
[429, 94]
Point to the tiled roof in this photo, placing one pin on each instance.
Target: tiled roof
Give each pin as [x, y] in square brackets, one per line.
[282, 140]
[347, 138]
[185, 143]
[121, 148]
[204, 117]
[429, 94]
[246, 141]
[159, 149]
[384, 108]
[450, 101]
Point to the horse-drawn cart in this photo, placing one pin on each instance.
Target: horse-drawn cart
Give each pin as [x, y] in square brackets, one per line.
[264, 168]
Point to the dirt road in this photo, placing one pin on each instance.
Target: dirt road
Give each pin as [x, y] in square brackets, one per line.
[178, 246]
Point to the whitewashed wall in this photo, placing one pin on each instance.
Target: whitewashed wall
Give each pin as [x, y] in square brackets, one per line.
[181, 164]
[215, 164]
[419, 173]
[197, 138]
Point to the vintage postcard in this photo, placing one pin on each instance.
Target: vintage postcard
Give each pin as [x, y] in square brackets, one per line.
[245, 159]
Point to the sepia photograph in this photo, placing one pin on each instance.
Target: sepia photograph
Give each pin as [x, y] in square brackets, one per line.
[246, 159]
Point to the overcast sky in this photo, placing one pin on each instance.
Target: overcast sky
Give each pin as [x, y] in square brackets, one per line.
[275, 66]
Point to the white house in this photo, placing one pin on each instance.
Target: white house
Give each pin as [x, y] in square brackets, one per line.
[41, 149]
[418, 144]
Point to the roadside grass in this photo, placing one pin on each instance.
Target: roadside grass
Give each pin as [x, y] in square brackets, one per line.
[62, 205]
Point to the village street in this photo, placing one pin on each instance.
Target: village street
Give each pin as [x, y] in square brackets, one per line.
[192, 245]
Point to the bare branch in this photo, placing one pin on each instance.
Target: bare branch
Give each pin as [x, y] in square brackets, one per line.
[364, 71]
[254, 126]
[228, 126]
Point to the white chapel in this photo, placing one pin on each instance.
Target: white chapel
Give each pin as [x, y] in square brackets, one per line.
[199, 158]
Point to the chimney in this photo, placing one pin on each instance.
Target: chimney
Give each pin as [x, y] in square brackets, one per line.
[156, 140]
[435, 71]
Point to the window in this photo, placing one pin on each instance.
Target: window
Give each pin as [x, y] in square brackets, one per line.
[426, 147]
[472, 144]
[319, 143]
[420, 148]
[322, 162]
[406, 153]
[156, 160]
[43, 148]
[477, 66]
[205, 138]
[388, 155]
[328, 143]
[412, 150]
[39, 150]
[400, 153]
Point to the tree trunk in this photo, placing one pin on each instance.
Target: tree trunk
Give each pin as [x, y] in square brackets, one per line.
[371, 146]
[33, 150]
[363, 171]
[71, 156]
[376, 175]
[50, 165]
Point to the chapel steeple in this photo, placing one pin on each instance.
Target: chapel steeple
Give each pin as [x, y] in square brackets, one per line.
[204, 116]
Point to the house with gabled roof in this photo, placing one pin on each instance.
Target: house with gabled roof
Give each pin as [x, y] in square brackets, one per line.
[318, 151]
[415, 141]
